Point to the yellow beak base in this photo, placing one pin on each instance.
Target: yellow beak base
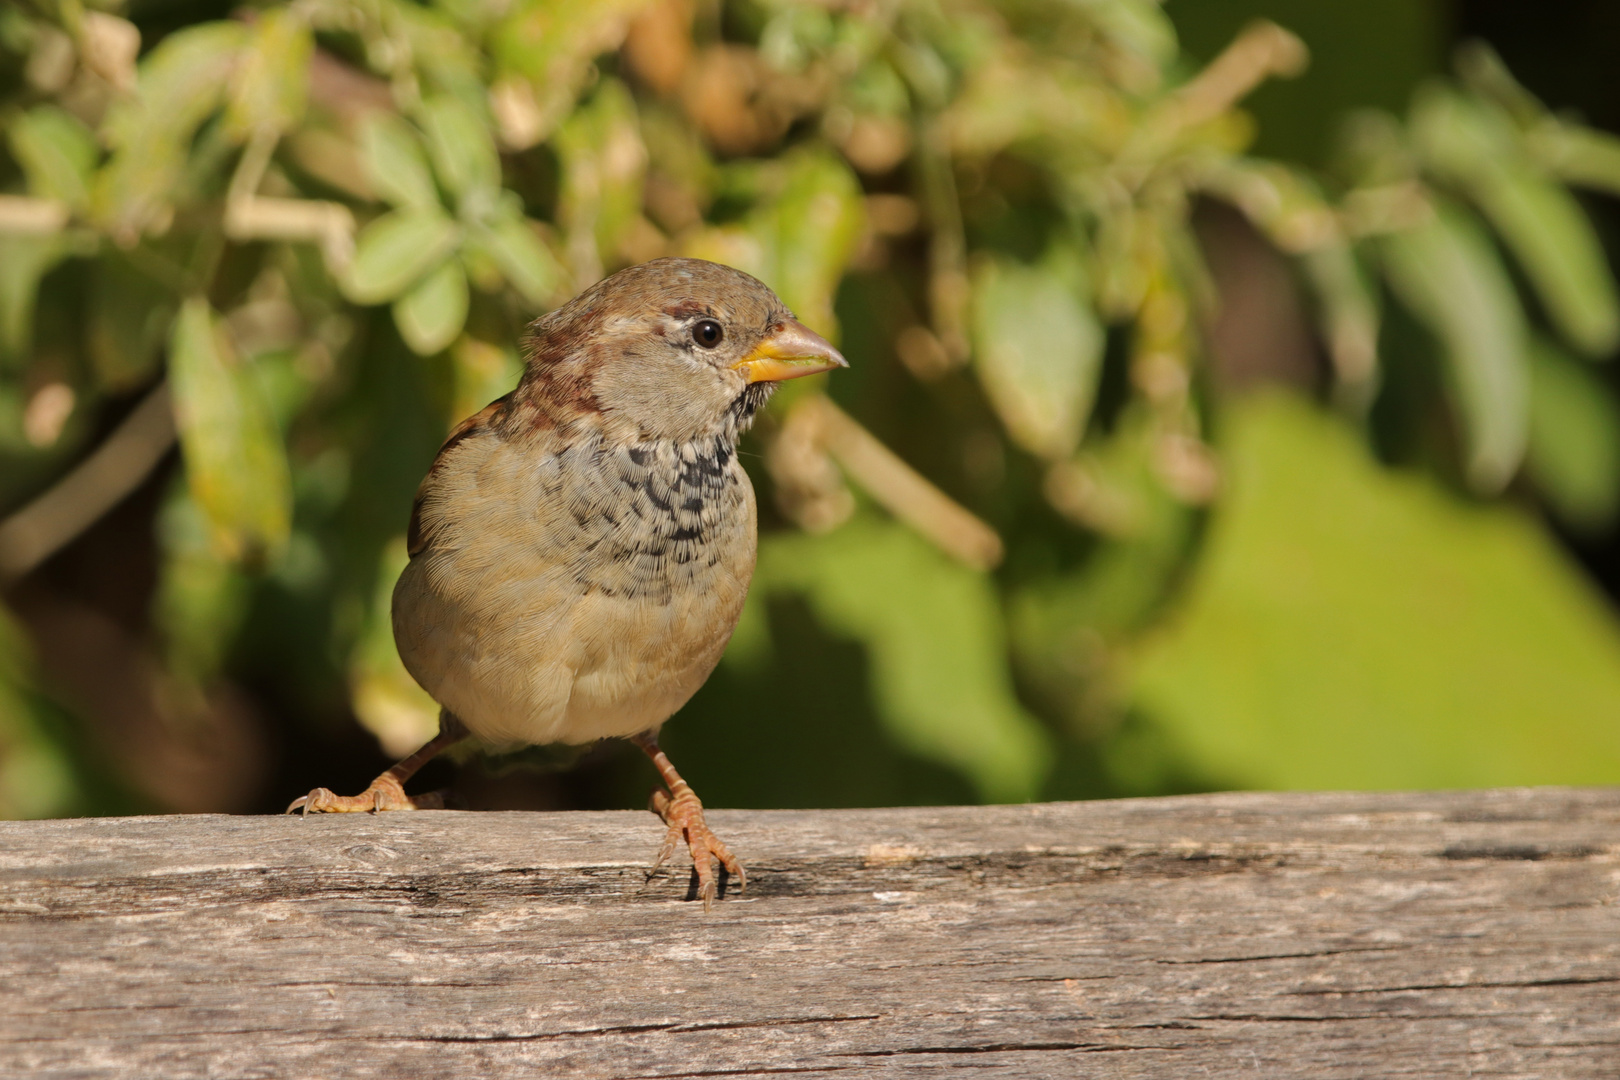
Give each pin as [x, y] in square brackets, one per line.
[792, 351]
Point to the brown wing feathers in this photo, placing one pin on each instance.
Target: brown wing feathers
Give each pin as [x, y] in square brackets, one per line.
[415, 538]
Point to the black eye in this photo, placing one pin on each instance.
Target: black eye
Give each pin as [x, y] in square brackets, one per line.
[707, 333]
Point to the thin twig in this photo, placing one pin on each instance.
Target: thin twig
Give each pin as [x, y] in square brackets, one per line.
[1262, 50]
[116, 468]
[903, 491]
[249, 216]
[22, 216]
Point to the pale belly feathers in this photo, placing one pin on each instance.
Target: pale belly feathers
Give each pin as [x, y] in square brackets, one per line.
[591, 604]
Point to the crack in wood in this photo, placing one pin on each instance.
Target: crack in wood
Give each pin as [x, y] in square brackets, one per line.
[1593, 980]
[1004, 1048]
[633, 1029]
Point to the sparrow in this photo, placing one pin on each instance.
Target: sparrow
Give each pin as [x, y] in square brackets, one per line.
[580, 549]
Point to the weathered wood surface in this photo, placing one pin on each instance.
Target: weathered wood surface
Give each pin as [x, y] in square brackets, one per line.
[1342, 935]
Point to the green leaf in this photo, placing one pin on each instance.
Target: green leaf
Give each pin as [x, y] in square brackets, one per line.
[524, 259]
[1560, 252]
[1579, 155]
[128, 322]
[1446, 271]
[1038, 349]
[201, 597]
[24, 260]
[235, 464]
[1574, 452]
[393, 253]
[814, 225]
[272, 80]
[933, 630]
[36, 777]
[1354, 627]
[57, 153]
[395, 163]
[431, 315]
[1140, 26]
[1350, 317]
[543, 53]
[1475, 146]
[1067, 626]
[801, 235]
[181, 83]
[604, 168]
[463, 152]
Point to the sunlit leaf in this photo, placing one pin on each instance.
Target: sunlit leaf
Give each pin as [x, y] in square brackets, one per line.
[1579, 155]
[1350, 317]
[444, 56]
[1446, 271]
[1141, 26]
[523, 258]
[543, 54]
[800, 237]
[181, 83]
[201, 596]
[395, 251]
[57, 153]
[1555, 243]
[23, 261]
[431, 315]
[1353, 627]
[1035, 109]
[1038, 349]
[1474, 146]
[395, 162]
[814, 224]
[235, 464]
[1574, 450]
[1068, 628]
[463, 151]
[271, 83]
[934, 635]
[604, 167]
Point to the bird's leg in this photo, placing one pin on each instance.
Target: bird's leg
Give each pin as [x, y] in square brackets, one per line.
[683, 813]
[387, 792]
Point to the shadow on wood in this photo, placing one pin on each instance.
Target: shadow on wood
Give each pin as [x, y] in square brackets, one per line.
[1320, 935]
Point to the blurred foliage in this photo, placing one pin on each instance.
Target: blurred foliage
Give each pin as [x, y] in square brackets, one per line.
[1516, 676]
[1069, 563]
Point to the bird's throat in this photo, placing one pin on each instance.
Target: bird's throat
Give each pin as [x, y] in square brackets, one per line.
[749, 402]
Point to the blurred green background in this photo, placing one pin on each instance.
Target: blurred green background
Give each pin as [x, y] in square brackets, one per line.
[1231, 402]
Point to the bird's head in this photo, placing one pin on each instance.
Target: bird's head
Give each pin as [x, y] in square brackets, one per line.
[670, 349]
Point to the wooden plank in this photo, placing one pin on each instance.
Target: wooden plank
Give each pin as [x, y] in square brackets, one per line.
[1320, 935]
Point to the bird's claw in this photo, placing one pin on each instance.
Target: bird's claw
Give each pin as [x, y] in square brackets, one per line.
[385, 793]
[683, 813]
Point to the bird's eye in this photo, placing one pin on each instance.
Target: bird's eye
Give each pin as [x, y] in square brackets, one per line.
[707, 333]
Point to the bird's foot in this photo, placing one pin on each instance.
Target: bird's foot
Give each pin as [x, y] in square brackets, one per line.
[385, 793]
[683, 813]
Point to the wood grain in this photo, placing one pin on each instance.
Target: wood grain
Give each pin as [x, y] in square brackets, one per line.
[1320, 935]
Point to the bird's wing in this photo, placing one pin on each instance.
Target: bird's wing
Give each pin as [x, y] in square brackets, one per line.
[476, 424]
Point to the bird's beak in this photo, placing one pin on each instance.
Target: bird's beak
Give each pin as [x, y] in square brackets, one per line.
[792, 351]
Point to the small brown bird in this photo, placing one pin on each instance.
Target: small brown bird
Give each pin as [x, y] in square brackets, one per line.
[581, 548]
